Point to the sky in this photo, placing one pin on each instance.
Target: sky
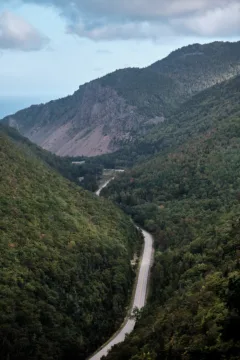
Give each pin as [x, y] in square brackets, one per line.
[50, 47]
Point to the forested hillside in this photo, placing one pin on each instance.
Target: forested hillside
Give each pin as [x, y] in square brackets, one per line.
[202, 113]
[90, 171]
[188, 196]
[65, 273]
[105, 114]
[194, 308]
[197, 67]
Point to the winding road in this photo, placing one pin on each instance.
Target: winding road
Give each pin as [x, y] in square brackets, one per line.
[139, 295]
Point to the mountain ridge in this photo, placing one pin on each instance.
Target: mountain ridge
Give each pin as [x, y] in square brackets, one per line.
[104, 114]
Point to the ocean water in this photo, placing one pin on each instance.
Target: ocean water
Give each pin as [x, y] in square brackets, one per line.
[11, 104]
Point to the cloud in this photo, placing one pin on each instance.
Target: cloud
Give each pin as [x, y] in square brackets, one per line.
[145, 9]
[223, 22]
[17, 34]
[118, 31]
[144, 19]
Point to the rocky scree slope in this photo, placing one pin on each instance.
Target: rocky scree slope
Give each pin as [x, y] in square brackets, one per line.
[106, 113]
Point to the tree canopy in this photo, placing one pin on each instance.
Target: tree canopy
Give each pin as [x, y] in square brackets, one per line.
[65, 273]
[186, 192]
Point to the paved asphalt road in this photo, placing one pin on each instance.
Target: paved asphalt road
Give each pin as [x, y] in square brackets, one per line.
[140, 292]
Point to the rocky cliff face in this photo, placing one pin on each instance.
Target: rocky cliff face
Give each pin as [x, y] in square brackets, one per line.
[91, 122]
[103, 114]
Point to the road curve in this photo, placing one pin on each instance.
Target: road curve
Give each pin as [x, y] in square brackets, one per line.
[103, 186]
[140, 292]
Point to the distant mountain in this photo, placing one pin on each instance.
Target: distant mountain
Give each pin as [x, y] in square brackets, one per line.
[106, 113]
[65, 272]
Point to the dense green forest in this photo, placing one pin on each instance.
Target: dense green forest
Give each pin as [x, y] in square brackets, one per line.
[188, 196]
[65, 273]
[194, 311]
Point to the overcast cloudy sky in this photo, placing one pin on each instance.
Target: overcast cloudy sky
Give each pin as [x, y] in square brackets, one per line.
[49, 47]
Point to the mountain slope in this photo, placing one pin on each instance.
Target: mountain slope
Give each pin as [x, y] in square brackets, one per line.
[197, 67]
[89, 173]
[65, 272]
[187, 195]
[202, 113]
[106, 113]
